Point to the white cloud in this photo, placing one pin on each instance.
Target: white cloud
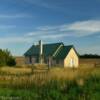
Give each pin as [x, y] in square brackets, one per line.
[35, 33]
[10, 16]
[54, 36]
[76, 29]
[48, 28]
[56, 33]
[83, 28]
[45, 4]
[40, 33]
[7, 40]
[89, 26]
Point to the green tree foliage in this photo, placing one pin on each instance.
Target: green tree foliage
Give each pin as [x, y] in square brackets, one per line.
[6, 58]
[90, 56]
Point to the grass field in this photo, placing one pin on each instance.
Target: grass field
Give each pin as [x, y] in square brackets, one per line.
[54, 84]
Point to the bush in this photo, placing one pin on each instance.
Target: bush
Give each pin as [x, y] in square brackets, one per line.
[6, 58]
[11, 62]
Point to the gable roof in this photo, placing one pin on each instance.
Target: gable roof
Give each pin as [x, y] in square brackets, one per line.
[56, 50]
[63, 52]
[34, 50]
[48, 49]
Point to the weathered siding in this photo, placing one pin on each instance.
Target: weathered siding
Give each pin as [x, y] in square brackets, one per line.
[34, 60]
[31, 60]
[61, 62]
[53, 62]
[20, 60]
[27, 60]
[71, 58]
[57, 62]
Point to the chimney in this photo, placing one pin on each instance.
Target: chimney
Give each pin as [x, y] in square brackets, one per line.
[41, 47]
[41, 50]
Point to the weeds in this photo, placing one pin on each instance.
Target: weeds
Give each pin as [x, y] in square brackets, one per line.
[57, 85]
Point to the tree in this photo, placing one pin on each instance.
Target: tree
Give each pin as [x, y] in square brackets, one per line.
[90, 56]
[6, 58]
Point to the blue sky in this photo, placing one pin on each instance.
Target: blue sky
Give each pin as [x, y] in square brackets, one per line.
[24, 22]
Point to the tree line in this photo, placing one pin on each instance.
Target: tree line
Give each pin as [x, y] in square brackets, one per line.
[6, 58]
[90, 56]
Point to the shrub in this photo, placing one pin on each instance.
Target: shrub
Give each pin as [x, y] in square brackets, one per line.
[11, 62]
[6, 58]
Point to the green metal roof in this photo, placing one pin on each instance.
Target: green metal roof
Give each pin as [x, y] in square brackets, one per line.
[34, 50]
[48, 49]
[63, 52]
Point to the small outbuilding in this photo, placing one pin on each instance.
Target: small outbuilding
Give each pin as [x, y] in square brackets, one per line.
[55, 54]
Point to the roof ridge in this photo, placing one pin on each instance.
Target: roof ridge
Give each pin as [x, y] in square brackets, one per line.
[53, 43]
[69, 45]
[48, 44]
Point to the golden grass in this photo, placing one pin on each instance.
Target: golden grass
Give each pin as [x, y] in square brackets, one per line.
[67, 73]
[40, 76]
[15, 70]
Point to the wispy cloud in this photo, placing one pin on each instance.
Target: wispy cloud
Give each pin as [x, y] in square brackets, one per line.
[45, 4]
[7, 40]
[56, 36]
[89, 26]
[83, 28]
[10, 16]
[75, 29]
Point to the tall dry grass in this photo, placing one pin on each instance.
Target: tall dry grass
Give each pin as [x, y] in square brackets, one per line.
[38, 83]
[15, 70]
[26, 77]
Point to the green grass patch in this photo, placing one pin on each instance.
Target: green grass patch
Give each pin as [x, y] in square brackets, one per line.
[56, 90]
